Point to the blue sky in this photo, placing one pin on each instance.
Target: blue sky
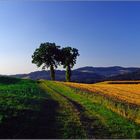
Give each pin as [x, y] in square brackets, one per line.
[106, 33]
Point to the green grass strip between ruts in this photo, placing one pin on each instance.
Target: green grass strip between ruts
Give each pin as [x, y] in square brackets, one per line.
[118, 126]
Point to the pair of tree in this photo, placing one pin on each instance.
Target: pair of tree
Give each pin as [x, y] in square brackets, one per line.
[50, 55]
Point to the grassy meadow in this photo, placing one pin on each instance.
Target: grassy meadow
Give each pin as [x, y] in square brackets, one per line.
[22, 109]
[48, 109]
[122, 97]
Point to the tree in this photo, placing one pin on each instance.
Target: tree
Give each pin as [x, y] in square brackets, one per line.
[68, 60]
[47, 55]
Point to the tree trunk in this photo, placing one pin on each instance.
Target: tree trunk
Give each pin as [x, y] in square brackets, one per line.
[68, 74]
[52, 73]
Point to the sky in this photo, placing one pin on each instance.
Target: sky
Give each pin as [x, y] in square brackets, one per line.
[105, 33]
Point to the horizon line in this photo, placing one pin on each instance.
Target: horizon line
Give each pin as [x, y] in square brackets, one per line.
[72, 69]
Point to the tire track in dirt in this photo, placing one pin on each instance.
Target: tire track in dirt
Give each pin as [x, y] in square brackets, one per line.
[91, 124]
[66, 114]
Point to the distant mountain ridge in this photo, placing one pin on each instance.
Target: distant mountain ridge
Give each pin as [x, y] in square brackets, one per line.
[128, 76]
[60, 76]
[108, 71]
[83, 74]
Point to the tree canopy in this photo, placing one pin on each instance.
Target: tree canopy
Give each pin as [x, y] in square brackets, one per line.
[47, 55]
[50, 55]
[69, 56]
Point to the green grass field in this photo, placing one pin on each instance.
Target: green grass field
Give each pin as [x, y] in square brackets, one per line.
[46, 109]
[23, 110]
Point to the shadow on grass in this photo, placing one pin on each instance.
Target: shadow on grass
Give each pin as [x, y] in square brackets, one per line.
[5, 80]
[32, 124]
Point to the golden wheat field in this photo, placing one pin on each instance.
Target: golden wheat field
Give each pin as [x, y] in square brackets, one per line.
[129, 93]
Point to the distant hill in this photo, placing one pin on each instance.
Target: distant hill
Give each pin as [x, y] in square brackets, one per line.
[77, 76]
[108, 71]
[83, 75]
[128, 76]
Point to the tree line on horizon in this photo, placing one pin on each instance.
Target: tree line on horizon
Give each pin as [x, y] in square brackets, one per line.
[50, 55]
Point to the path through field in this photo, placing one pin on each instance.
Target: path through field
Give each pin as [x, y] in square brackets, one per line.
[80, 117]
[49, 110]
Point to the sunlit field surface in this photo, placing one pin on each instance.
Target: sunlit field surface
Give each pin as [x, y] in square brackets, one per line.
[122, 97]
[129, 93]
[100, 117]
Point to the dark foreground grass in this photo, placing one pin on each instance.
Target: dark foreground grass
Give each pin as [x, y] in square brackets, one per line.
[117, 126]
[25, 110]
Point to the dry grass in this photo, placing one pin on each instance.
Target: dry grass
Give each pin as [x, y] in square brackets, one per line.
[129, 93]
